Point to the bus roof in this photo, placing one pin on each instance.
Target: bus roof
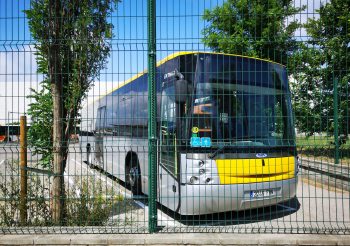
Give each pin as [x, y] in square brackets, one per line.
[174, 55]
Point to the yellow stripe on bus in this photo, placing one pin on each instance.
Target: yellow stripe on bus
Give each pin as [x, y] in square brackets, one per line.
[244, 171]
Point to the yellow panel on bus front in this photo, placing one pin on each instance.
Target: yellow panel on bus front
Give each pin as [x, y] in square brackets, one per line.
[243, 171]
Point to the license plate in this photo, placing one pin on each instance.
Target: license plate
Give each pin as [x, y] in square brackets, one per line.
[262, 193]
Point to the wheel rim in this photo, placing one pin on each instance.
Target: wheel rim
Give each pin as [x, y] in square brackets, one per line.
[133, 175]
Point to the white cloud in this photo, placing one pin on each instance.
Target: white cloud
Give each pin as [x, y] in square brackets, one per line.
[310, 12]
[18, 73]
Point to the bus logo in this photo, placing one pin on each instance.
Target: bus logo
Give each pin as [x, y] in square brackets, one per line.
[261, 155]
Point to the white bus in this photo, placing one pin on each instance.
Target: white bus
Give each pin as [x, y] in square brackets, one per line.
[225, 130]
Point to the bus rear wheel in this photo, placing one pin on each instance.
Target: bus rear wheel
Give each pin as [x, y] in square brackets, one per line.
[133, 177]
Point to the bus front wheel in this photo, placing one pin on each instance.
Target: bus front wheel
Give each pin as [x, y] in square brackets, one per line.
[133, 176]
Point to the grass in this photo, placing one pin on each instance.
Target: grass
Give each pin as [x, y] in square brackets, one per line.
[314, 141]
[322, 148]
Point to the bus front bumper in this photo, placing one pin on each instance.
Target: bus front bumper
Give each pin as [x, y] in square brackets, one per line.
[207, 199]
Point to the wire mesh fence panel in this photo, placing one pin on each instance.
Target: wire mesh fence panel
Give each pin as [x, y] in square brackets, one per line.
[174, 116]
[62, 63]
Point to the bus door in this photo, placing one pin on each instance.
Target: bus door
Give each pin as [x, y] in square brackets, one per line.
[168, 168]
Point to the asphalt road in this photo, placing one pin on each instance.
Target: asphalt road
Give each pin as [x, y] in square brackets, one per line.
[317, 206]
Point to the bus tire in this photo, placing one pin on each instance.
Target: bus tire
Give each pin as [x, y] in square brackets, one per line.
[133, 176]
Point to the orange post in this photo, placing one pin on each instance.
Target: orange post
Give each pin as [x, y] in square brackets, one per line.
[23, 165]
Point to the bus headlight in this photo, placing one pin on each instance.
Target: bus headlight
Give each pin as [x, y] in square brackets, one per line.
[208, 180]
[193, 180]
[200, 172]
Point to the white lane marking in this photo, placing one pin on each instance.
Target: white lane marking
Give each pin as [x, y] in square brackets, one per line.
[163, 219]
[79, 163]
[100, 177]
[127, 195]
[2, 162]
[71, 182]
[140, 204]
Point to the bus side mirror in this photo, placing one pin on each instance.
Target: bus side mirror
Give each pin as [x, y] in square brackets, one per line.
[181, 90]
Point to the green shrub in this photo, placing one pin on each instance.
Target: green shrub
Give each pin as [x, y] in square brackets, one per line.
[89, 201]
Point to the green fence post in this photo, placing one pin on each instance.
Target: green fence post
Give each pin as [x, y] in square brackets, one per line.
[335, 107]
[152, 113]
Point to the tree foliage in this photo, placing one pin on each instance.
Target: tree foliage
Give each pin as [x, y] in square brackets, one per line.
[82, 50]
[73, 43]
[324, 58]
[40, 132]
[253, 28]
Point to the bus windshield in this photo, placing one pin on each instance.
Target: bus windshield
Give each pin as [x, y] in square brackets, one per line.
[241, 104]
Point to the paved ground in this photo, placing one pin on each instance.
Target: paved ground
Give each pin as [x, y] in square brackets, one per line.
[318, 207]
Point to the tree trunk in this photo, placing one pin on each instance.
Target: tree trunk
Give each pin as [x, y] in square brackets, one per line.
[59, 154]
[59, 150]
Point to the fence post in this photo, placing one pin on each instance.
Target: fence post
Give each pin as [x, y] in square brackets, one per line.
[335, 107]
[152, 121]
[23, 171]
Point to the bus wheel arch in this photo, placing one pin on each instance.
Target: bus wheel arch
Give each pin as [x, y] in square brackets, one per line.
[133, 173]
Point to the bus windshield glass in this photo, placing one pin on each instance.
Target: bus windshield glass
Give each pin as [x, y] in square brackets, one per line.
[241, 102]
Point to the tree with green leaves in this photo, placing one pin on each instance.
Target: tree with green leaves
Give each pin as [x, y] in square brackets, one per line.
[72, 46]
[253, 28]
[40, 131]
[323, 58]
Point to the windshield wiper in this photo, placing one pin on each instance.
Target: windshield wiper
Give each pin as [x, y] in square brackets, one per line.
[220, 149]
[247, 143]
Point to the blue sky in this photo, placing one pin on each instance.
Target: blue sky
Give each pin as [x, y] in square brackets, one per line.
[179, 25]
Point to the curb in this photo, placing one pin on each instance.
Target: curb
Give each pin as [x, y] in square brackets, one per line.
[176, 239]
[328, 173]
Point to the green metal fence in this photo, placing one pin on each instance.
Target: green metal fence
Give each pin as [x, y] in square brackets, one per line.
[174, 116]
